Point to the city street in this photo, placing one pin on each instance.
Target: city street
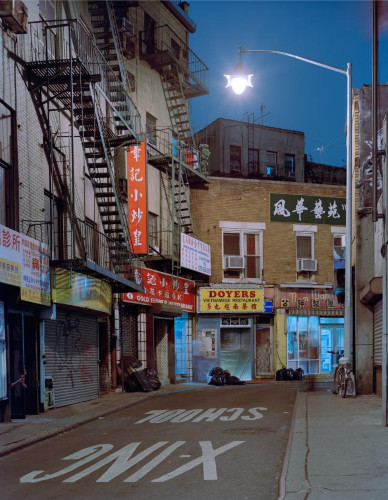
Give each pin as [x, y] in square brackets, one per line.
[216, 442]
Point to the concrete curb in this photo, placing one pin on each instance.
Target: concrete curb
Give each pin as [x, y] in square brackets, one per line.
[287, 454]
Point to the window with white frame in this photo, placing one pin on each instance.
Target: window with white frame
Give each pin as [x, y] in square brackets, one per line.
[305, 259]
[242, 246]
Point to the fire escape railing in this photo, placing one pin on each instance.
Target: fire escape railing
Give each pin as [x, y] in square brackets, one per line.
[166, 47]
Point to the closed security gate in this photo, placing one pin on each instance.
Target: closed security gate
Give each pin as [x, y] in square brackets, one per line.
[71, 350]
[378, 334]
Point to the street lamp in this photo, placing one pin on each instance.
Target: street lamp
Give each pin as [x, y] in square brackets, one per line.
[239, 80]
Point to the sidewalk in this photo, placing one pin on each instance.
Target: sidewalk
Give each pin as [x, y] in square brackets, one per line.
[21, 433]
[338, 449]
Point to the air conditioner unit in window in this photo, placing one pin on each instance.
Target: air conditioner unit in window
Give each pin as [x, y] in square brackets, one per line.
[125, 26]
[234, 262]
[309, 265]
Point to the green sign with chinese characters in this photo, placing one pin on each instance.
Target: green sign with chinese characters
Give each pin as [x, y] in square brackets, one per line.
[301, 209]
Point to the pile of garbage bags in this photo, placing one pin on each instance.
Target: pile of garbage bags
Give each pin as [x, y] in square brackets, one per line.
[290, 374]
[135, 378]
[218, 376]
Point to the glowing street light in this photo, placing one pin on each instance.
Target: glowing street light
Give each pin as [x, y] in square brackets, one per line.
[239, 80]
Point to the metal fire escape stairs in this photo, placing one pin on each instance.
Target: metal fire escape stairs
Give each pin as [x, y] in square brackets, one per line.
[182, 76]
[71, 74]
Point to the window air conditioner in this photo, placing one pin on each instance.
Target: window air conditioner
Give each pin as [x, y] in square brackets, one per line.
[15, 15]
[309, 265]
[125, 26]
[234, 262]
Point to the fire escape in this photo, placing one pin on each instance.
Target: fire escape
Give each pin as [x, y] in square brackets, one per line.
[183, 76]
[69, 78]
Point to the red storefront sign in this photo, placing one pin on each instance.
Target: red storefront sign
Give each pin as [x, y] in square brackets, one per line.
[306, 299]
[162, 288]
[137, 197]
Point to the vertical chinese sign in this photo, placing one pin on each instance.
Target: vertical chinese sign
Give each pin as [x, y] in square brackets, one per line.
[137, 197]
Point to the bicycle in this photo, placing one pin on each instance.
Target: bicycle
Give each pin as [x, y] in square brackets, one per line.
[343, 376]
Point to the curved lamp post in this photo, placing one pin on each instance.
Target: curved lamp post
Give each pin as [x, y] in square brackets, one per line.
[239, 80]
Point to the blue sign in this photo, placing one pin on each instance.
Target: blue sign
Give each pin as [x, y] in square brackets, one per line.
[268, 306]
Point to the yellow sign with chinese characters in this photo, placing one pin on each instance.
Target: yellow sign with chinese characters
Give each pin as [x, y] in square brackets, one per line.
[76, 289]
[234, 300]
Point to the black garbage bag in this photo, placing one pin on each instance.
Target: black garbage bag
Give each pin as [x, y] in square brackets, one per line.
[217, 376]
[153, 377]
[299, 374]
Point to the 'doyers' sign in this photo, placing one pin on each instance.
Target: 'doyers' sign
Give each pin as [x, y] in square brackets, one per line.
[231, 300]
[162, 288]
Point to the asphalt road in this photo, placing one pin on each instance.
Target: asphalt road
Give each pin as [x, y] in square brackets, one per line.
[215, 443]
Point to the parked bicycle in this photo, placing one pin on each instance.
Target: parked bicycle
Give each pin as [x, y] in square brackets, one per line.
[343, 377]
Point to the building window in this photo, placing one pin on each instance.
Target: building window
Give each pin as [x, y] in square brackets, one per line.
[305, 246]
[153, 231]
[151, 128]
[305, 261]
[7, 171]
[235, 158]
[47, 9]
[175, 49]
[54, 219]
[242, 254]
[289, 165]
[339, 242]
[271, 163]
[253, 161]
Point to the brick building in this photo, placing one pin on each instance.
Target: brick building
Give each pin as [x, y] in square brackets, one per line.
[275, 294]
[96, 167]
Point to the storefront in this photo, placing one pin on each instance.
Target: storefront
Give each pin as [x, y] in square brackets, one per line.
[234, 331]
[71, 338]
[309, 325]
[164, 323]
[24, 296]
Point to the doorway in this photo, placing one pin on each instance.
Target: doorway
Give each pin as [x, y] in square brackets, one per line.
[236, 352]
[23, 365]
[164, 348]
[263, 349]
[332, 339]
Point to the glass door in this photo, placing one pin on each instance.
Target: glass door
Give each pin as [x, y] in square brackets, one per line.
[263, 349]
[332, 339]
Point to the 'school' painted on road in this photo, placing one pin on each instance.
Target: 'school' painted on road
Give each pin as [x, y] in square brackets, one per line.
[198, 415]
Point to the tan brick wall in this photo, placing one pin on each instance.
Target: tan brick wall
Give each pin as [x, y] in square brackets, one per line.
[241, 200]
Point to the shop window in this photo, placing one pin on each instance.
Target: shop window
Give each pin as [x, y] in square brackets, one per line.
[303, 343]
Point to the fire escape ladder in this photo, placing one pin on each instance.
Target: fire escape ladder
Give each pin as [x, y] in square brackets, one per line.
[100, 164]
[177, 103]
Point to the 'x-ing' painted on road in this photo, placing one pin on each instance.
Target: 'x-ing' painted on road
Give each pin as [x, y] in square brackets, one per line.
[123, 460]
[198, 415]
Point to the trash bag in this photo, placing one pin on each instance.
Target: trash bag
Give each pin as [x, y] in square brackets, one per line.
[299, 374]
[153, 377]
[217, 376]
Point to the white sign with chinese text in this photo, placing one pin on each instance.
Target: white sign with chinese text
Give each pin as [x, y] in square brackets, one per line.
[24, 262]
[195, 255]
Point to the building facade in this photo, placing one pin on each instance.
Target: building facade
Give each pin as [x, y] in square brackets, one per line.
[275, 295]
[97, 165]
